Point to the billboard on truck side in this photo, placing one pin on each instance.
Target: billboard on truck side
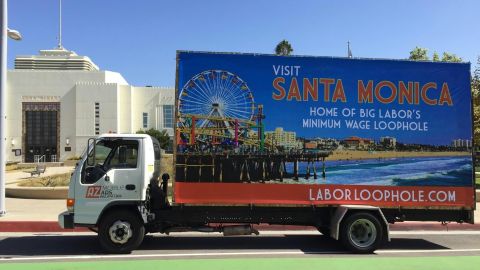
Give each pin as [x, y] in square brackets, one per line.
[266, 129]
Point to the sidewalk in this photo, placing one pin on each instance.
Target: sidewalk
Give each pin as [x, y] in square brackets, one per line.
[26, 215]
[33, 210]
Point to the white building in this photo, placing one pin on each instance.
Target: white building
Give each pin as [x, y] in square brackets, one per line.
[459, 143]
[389, 142]
[57, 100]
[280, 137]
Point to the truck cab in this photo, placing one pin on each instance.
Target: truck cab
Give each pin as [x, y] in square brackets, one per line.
[114, 174]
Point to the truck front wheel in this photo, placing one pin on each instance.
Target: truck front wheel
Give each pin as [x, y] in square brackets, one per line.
[361, 232]
[120, 231]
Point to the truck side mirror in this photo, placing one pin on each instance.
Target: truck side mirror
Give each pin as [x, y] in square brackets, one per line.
[165, 177]
[91, 152]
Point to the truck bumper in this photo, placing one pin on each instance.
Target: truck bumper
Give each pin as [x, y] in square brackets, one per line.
[65, 220]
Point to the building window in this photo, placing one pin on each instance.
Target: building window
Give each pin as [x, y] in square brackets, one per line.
[168, 116]
[41, 127]
[145, 120]
[97, 118]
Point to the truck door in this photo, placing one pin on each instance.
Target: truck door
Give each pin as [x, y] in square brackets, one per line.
[112, 173]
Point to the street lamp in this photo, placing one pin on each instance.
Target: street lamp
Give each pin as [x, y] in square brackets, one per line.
[15, 35]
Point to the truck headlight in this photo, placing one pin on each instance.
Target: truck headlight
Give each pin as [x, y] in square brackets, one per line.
[70, 204]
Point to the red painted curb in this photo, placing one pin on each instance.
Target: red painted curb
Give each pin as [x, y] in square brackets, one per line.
[52, 226]
[433, 226]
[35, 226]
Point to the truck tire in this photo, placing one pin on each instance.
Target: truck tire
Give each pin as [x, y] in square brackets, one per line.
[120, 231]
[361, 232]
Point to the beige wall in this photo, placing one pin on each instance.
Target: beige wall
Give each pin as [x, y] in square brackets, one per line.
[124, 109]
[121, 105]
[150, 100]
[43, 86]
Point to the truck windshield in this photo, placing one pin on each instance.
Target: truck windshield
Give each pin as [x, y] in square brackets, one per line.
[101, 152]
[124, 155]
[116, 153]
[110, 154]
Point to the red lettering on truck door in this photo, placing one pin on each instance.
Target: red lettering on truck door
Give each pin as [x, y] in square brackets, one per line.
[93, 192]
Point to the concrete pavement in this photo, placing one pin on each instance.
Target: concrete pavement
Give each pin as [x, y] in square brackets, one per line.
[33, 210]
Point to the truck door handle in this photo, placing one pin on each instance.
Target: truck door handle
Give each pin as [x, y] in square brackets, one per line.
[130, 187]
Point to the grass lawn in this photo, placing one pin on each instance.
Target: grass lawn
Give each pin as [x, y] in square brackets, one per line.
[14, 167]
[330, 263]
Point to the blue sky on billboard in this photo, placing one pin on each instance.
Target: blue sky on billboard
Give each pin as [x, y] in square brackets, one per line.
[139, 38]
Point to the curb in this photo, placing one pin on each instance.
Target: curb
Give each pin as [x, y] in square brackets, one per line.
[15, 191]
[434, 226]
[35, 226]
[52, 226]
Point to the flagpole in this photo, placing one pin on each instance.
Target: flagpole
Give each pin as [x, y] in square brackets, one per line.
[349, 52]
[60, 46]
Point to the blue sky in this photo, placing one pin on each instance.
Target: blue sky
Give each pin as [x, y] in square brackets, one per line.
[139, 38]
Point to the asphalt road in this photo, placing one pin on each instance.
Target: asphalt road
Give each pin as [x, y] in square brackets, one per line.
[16, 247]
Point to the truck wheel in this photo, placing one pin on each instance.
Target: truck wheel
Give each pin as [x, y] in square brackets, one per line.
[361, 232]
[120, 231]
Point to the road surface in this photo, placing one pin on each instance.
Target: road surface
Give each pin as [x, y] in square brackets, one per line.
[27, 247]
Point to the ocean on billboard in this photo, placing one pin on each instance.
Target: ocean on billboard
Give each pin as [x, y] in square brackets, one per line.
[423, 171]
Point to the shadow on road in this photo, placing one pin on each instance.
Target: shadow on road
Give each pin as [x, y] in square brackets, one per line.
[412, 244]
[49, 245]
[88, 245]
[306, 243]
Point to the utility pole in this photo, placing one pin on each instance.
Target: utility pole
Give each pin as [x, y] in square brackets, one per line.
[5, 33]
[3, 103]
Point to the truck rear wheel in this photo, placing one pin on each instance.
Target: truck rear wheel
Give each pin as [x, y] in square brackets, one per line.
[120, 231]
[361, 232]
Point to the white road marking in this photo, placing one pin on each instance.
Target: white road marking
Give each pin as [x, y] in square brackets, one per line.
[434, 232]
[279, 233]
[312, 232]
[227, 254]
[387, 251]
[21, 234]
[138, 256]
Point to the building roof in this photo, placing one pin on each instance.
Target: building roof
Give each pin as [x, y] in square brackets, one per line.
[355, 138]
[124, 135]
[56, 59]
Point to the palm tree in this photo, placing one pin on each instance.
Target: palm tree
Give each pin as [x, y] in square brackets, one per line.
[283, 48]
